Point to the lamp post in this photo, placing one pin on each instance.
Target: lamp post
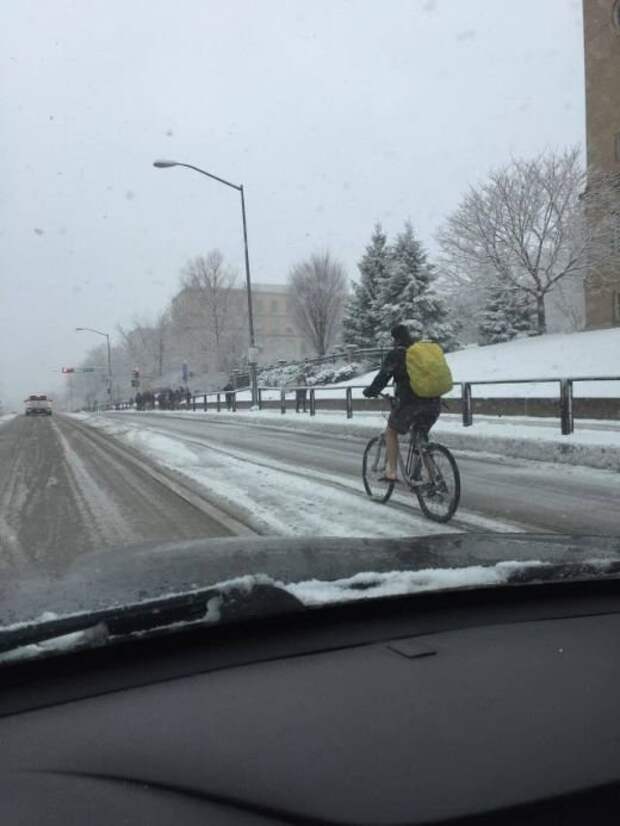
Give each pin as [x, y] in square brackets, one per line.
[239, 187]
[107, 338]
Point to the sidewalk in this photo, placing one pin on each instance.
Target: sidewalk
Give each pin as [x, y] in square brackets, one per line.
[594, 444]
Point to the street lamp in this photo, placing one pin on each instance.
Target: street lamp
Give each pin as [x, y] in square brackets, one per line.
[162, 164]
[107, 337]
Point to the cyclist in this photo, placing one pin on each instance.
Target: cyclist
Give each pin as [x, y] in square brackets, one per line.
[409, 409]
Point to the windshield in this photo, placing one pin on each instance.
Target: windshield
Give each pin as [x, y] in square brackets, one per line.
[324, 293]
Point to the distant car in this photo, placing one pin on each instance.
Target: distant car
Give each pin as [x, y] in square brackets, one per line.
[37, 405]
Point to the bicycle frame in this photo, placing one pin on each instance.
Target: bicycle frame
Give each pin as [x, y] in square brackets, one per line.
[415, 457]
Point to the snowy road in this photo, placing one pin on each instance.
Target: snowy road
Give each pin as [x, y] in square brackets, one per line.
[498, 493]
[66, 488]
[64, 492]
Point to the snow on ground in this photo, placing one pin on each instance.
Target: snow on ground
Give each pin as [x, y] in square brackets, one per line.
[273, 498]
[556, 355]
[561, 355]
[594, 444]
[5, 418]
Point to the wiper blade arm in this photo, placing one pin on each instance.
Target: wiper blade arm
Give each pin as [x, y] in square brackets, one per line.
[225, 604]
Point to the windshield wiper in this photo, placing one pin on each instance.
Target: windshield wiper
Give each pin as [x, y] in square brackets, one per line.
[248, 597]
[218, 605]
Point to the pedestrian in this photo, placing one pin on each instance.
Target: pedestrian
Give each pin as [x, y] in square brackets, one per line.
[229, 396]
[301, 392]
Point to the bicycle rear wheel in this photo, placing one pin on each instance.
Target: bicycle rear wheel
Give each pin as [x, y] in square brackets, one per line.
[373, 468]
[437, 483]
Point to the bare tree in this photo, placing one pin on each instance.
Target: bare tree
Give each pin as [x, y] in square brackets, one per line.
[318, 290]
[145, 345]
[211, 304]
[87, 388]
[526, 228]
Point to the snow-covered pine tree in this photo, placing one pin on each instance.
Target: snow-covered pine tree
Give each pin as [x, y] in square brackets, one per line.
[361, 322]
[408, 295]
[505, 314]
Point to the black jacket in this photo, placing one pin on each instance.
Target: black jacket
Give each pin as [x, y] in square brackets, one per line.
[394, 367]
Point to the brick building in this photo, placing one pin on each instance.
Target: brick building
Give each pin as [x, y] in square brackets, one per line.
[602, 69]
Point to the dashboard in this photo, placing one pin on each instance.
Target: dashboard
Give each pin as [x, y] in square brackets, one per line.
[478, 706]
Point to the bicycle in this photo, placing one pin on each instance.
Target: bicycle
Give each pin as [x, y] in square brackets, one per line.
[430, 471]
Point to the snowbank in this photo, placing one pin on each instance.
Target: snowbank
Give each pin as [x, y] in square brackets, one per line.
[562, 355]
[555, 356]
[595, 444]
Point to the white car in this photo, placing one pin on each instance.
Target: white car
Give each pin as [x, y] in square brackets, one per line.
[38, 404]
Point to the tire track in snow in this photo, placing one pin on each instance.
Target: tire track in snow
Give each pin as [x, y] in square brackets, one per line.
[102, 517]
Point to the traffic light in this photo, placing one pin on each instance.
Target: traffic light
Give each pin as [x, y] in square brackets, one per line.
[68, 369]
[135, 377]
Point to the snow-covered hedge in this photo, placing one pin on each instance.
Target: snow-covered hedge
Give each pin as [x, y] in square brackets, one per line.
[279, 376]
[332, 375]
[291, 374]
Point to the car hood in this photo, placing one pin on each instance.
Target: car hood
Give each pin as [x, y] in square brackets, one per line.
[127, 575]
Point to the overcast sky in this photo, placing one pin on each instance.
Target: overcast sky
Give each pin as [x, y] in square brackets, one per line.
[334, 114]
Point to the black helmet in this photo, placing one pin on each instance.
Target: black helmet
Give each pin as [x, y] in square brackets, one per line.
[401, 335]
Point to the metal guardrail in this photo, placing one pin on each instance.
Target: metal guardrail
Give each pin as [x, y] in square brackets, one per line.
[305, 397]
[566, 396]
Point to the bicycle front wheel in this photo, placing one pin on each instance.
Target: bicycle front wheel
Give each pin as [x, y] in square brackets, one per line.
[438, 483]
[373, 470]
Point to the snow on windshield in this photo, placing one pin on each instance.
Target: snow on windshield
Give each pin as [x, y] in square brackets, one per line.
[312, 593]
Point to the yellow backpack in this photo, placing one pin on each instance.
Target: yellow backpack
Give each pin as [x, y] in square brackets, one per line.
[428, 369]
